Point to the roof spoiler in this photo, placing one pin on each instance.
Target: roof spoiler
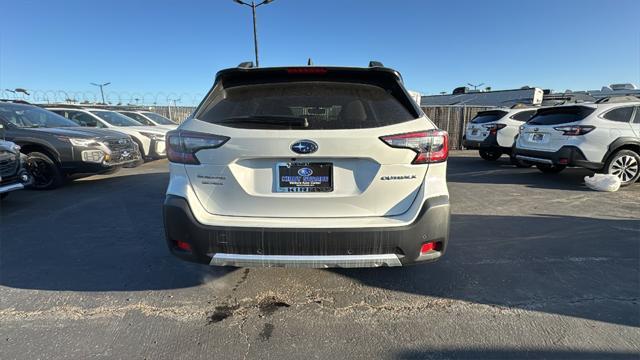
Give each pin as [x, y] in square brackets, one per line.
[375, 64]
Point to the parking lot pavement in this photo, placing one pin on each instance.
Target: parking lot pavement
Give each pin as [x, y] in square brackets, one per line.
[538, 267]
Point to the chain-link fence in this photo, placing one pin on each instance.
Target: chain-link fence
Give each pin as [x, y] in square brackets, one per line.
[114, 98]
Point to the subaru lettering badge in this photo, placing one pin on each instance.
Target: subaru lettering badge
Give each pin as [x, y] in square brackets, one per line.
[305, 172]
[304, 147]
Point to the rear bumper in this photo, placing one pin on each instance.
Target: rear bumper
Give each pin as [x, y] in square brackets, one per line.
[489, 143]
[565, 156]
[307, 247]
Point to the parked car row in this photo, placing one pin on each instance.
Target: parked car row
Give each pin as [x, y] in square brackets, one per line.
[603, 136]
[43, 147]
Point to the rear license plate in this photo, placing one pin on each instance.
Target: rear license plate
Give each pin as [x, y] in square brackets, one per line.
[537, 137]
[304, 177]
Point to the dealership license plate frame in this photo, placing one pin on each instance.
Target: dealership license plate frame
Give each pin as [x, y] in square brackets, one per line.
[537, 137]
[324, 187]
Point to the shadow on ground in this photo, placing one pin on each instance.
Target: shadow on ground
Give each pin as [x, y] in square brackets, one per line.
[555, 264]
[514, 354]
[474, 170]
[101, 234]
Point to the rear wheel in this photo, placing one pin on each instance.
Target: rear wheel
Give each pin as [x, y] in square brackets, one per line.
[490, 155]
[625, 164]
[46, 174]
[550, 169]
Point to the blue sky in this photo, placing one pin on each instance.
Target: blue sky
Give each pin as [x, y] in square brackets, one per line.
[177, 46]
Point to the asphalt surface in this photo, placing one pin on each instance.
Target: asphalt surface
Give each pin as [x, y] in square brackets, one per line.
[538, 266]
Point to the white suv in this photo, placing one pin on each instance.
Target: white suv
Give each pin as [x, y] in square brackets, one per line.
[149, 118]
[307, 167]
[602, 136]
[150, 139]
[493, 132]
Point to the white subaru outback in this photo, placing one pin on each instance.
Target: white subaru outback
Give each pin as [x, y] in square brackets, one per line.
[602, 136]
[307, 167]
[493, 132]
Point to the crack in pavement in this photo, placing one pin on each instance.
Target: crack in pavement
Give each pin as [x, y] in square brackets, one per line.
[265, 306]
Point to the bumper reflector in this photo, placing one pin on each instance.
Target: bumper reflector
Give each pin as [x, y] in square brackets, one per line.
[182, 245]
[430, 246]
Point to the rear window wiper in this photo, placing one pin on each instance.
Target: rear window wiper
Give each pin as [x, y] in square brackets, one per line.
[283, 120]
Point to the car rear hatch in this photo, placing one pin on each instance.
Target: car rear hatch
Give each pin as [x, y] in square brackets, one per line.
[477, 129]
[544, 130]
[306, 142]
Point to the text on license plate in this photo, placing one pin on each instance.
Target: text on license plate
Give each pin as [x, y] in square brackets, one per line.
[304, 177]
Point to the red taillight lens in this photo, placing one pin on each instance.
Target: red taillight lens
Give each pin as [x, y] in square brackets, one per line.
[432, 146]
[183, 145]
[493, 128]
[575, 130]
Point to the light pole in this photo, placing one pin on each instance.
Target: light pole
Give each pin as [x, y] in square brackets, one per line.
[253, 7]
[101, 91]
[475, 87]
[174, 105]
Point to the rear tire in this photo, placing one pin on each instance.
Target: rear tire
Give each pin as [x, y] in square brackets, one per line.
[625, 164]
[45, 172]
[550, 169]
[490, 155]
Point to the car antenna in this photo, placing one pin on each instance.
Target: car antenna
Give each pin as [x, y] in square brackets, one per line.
[309, 62]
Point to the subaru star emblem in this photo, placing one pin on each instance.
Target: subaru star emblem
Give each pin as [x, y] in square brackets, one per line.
[304, 147]
[305, 172]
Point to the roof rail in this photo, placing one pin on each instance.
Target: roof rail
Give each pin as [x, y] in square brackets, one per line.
[69, 106]
[16, 101]
[375, 64]
[617, 99]
[246, 65]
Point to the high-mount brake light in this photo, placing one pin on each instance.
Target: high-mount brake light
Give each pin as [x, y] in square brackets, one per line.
[575, 130]
[307, 70]
[182, 146]
[431, 146]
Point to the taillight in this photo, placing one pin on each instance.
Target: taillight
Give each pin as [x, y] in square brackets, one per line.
[493, 128]
[575, 130]
[183, 145]
[432, 146]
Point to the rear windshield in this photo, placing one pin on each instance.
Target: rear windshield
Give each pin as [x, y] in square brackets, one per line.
[159, 119]
[560, 115]
[317, 104]
[488, 116]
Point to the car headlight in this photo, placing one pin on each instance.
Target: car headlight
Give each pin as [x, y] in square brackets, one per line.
[153, 136]
[78, 141]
